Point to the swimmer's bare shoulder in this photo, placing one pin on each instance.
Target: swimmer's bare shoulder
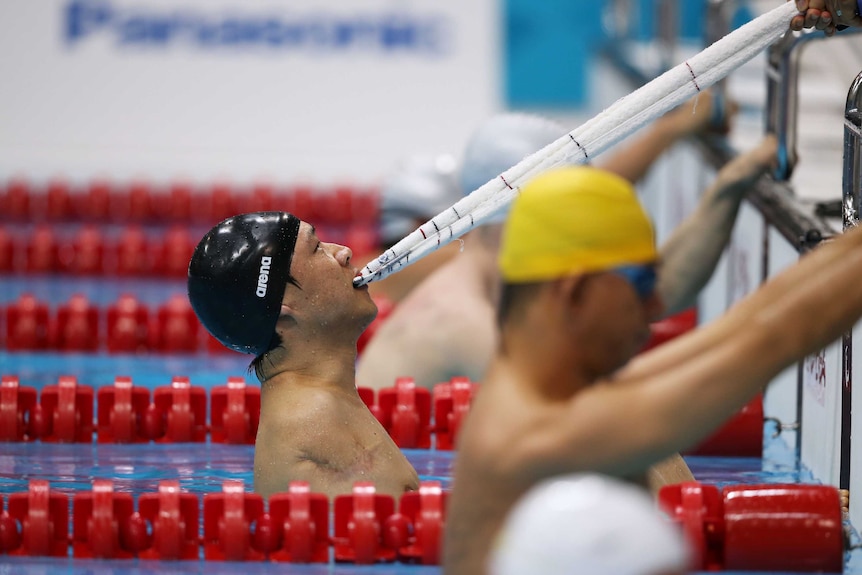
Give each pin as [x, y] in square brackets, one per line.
[442, 329]
[293, 425]
[330, 439]
[310, 415]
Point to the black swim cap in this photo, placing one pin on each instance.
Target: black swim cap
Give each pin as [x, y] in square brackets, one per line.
[237, 277]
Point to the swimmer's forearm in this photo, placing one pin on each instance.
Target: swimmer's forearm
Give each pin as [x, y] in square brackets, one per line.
[685, 389]
[699, 380]
[689, 257]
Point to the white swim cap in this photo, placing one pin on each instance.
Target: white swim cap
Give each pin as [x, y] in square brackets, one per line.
[420, 187]
[588, 524]
[501, 142]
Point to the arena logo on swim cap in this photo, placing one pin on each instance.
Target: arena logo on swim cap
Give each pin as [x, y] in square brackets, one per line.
[263, 278]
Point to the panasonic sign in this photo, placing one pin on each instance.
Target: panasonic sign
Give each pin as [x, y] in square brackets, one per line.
[263, 278]
[145, 26]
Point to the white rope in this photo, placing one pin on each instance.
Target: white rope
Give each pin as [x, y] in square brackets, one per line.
[624, 117]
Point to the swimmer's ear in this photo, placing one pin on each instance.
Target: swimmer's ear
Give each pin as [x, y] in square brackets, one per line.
[285, 312]
[286, 316]
[572, 288]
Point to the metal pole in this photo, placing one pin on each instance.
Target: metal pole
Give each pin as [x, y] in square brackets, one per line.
[852, 183]
[852, 187]
[782, 78]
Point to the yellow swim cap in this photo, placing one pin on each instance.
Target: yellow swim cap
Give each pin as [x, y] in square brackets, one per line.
[574, 220]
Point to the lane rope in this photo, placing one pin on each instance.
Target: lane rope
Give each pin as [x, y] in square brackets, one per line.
[624, 117]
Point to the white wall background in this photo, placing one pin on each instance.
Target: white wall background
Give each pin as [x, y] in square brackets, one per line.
[100, 100]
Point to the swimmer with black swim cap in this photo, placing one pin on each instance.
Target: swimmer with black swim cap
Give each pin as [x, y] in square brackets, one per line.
[263, 283]
[237, 277]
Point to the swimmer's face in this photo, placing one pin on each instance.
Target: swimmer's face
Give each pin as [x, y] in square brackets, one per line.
[619, 312]
[326, 296]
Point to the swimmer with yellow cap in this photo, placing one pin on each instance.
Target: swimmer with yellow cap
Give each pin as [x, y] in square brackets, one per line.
[575, 220]
[582, 221]
[582, 280]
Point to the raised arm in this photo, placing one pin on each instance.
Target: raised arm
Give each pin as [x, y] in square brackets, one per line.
[690, 255]
[634, 160]
[676, 395]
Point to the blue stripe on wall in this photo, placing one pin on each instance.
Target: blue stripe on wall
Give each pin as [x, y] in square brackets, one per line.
[549, 46]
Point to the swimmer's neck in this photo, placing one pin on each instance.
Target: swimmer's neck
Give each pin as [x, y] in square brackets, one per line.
[557, 367]
[332, 367]
[547, 385]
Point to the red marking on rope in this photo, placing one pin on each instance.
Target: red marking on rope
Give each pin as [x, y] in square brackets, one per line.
[423, 234]
[505, 182]
[693, 76]
[586, 155]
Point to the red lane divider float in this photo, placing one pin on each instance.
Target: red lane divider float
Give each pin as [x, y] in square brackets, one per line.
[90, 250]
[292, 526]
[121, 411]
[234, 412]
[39, 522]
[452, 402]
[125, 326]
[17, 405]
[228, 519]
[66, 414]
[425, 511]
[141, 201]
[103, 523]
[125, 413]
[405, 412]
[180, 412]
[767, 527]
[27, 325]
[360, 526]
[173, 515]
[781, 527]
[177, 413]
[298, 526]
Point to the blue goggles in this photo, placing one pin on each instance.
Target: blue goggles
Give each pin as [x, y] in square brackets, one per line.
[641, 277]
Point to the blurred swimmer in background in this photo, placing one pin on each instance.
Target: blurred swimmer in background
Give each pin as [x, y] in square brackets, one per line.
[446, 327]
[417, 189]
